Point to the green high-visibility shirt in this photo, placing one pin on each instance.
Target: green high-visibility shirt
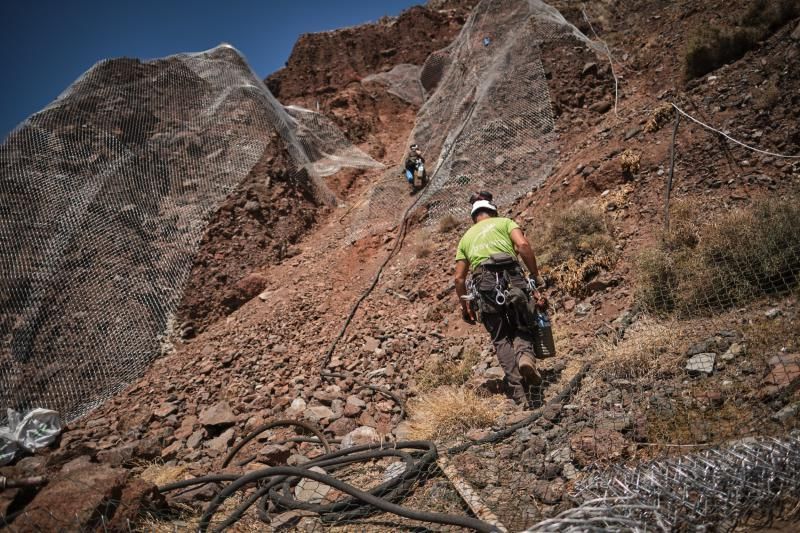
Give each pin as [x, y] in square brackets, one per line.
[487, 237]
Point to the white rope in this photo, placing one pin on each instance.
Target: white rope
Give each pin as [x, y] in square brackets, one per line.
[610, 59]
[753, 148]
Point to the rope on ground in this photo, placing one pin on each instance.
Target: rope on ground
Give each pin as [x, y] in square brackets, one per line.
[740, 143]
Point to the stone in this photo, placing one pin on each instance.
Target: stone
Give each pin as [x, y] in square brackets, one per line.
[371, 344]
[138, 497]
[796, 33]
[548, 492]
[341, 427]
[784, 372]
[194, 440]
[560, 455]
[218, 415]
[601, 107]
[360, 436]
[591, 445]
[310, 491]
[351, 410]
[252, 207]
[772, 313]
[297, 407]
[615, 421]
[223, 442]
[356, 401]
[57, 506]
[171, 451]
[705, 346]
[701, 364]
[735, 350]
[589, 68]
[569, 471]
[494, 372]
[632, 132]
[403, 431]
[789, 412]
[317, 413]
[275, 454]
[569, 305]
[583, 309]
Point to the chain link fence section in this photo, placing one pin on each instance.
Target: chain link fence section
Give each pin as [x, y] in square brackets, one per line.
[487, 122]
[106, 193]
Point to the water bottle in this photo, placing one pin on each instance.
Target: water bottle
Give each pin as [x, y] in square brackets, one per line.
[544, 345]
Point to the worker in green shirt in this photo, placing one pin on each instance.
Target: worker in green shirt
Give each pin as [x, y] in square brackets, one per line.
[490, 249]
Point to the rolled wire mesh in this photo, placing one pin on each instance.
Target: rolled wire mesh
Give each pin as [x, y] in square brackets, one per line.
[106, 193]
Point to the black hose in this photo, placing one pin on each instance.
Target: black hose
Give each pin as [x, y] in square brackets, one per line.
[379, 503]
[277, 423]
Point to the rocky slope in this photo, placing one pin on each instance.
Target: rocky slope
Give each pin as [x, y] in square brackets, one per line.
[263, 360]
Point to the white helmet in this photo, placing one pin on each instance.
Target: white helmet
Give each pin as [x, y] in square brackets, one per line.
[482, 204]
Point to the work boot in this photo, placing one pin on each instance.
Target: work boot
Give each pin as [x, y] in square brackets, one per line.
[528, 370]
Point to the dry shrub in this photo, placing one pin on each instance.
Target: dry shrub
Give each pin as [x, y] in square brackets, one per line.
[160, 474]
[722, 261]
[448, 412]
[441, 371]
[766, 336]
[767, 96]
[710, 48]
[659, 118]
[630, 162]
[651, 348]
[447, 223]
[575, 246]
[424, 246]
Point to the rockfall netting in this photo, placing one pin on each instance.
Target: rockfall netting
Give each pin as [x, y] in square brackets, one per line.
[487, 122]
[105, 195]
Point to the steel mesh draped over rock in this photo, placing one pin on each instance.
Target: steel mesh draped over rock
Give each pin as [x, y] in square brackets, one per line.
[487, 122]
[105, 195]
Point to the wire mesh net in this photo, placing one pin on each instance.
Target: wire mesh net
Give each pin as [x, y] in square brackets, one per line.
[106, 193]
[487, 122]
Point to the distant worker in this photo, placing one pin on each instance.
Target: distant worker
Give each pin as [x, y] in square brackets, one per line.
[490, 249]
[415, 169]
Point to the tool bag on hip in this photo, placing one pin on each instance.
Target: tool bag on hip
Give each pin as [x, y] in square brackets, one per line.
[502, 288]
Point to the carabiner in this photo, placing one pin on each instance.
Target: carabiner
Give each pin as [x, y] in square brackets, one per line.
[500, 297]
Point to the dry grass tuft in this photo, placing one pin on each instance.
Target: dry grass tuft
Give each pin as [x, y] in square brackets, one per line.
[441, 371]
[447, 223]
[651, 348]
[423, 247]
[159, 474]
[448, 412]
[711, 263]
[659, 118]
[575, 246]
[630, 163]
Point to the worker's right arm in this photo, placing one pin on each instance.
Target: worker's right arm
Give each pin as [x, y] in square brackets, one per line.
[462, 269]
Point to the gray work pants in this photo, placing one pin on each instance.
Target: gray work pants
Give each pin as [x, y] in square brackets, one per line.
[510, 341]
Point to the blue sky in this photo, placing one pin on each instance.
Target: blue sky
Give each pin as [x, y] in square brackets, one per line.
[46, 44]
